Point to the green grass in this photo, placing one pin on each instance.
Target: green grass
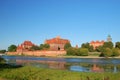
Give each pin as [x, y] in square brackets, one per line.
[33, 73]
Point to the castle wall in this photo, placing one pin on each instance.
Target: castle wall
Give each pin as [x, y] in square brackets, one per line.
[38, 53]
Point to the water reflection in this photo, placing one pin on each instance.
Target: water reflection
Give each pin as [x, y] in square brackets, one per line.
[73, 64]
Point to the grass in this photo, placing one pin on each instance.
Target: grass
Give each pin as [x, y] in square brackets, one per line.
[34, 73]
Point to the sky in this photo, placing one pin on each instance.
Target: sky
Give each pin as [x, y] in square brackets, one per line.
[80, 21]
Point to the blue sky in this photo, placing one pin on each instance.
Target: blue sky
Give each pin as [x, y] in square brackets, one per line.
[79, 21]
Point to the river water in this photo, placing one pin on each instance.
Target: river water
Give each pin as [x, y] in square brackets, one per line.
[72, 64]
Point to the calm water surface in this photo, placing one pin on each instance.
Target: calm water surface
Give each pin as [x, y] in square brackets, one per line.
[73, 64]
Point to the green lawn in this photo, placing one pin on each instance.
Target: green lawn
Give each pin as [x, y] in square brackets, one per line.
[33, 73]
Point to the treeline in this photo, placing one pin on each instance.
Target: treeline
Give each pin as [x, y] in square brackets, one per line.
[108, 49]
[13, 48]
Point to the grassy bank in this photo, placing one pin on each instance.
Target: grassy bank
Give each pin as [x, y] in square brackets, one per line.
[33, 73]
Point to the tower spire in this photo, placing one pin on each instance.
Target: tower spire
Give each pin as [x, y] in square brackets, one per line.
[109, 39]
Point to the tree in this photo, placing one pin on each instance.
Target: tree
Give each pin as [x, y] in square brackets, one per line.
[77, 51]
[108, 45]
[33, 48]
[2, 60]
[107, 52]
[84, 51]
[44, 46]
[2, 51]
[12, 48]
[99, 49]
[88, 46]
[116, 52]
[67, 45]
[117, 45]
[71, 51]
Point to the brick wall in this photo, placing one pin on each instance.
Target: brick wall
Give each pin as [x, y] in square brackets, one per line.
[38, 53]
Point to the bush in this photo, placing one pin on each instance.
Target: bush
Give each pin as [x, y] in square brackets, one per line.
[107, 52]
[2, 60]
[116, 52]
[84, 52]
[77, 51]
[70, 51]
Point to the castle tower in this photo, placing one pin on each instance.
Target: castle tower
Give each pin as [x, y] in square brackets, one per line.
[109, 39]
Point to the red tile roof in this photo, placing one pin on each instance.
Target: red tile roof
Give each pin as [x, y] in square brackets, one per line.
[57, 40]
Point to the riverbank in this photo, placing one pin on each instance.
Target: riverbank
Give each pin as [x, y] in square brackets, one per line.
[85, 57]
[34, 73]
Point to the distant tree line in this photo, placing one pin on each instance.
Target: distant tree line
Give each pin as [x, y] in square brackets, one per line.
[106, 50]
[13, 48]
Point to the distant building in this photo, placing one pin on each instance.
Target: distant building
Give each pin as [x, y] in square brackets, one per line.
[25, 46]
[96, 44]
[57, 43]
[109, 39]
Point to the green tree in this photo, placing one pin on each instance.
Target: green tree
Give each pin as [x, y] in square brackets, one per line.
[33, 48]
[99, 49]
[44, 46]
[67, 45]
[2, 60]
[108, 45]
[117, 45]
[88, 46]
[107, 52]
[71, 51]
[2, 51]
[77, 51]
[12, 48]
[84, 51]
[116, 52]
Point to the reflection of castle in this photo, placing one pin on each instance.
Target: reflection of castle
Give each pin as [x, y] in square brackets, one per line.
[57, 43]
[51, 64]
[96, 68]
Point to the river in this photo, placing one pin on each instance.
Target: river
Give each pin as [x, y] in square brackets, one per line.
[72, 64]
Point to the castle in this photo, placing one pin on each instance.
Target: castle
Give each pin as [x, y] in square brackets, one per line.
[57, 43]
[25, 46]
[97, 43]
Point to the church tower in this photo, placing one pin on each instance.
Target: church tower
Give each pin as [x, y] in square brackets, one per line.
[109, 39]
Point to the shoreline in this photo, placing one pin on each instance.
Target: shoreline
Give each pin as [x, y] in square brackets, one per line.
[87, 57]
[118, 57]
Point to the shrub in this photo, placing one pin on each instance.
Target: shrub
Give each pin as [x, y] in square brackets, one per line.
[2, 60]
[116, 52]
[107, 52]
[77, 51]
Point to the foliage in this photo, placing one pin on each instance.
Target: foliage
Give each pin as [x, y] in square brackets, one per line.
[33, 73]
[71, 51]
[107, 52]
[84, 52]
[2, 60]
[99, 49]
[77, 51]
[117, 45]
[67, 45]
[108, 45]
[33, 48]
[88, 46]
[44, 46]
[12, 48]
[116, 52]
[2, 51]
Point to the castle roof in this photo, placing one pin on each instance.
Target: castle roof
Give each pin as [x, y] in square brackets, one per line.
[57, 40]
[29, 43]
